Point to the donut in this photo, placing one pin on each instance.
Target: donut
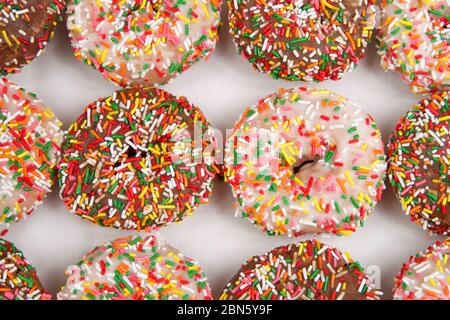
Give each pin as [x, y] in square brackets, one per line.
[142, 42]
[426, 276]
[413, 41]
[18, 278]
[418, 163]
[307, 40]
[26, 26]
[308, 270]
[134, 161]
[305, 161]
[30, 146]
[135, 268]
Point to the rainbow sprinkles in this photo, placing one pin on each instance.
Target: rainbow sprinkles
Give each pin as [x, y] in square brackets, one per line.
[305, 161]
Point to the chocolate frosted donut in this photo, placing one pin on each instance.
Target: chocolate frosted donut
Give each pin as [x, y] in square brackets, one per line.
[138, 159]
[418, 163]
[306, 271]
[26, 26]
[308, 40]
[18, 279]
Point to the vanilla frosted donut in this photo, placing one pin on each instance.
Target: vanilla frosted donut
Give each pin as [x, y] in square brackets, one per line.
[305, 161]
[135, 268]
[142, 42]
[426, 276]
[414, 41]
[30, 143]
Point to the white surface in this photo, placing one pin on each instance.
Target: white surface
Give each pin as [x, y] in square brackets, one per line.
[53, 238]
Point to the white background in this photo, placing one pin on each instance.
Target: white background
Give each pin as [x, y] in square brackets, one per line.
[53, 238]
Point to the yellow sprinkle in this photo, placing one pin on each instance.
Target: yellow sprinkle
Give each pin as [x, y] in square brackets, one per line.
[300, 182]
[349, 177]
[83, 196]
[143, 192]
[316, 204]
[184, 18]
[23, 154]
[103, 56]
[406, 23]
[300, 248]
[5, 36]
[344, 233]
[15, 39]
[271, 201]
[432, 282]
[166, 206]
[205, 9]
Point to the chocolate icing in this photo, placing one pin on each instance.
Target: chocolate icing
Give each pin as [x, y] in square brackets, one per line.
[118, 167]
[285, 267]
[260, 31]
[18, 279]
[26, 26]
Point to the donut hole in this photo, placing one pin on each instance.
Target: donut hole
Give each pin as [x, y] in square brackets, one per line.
[302, 163]
[130, 154]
